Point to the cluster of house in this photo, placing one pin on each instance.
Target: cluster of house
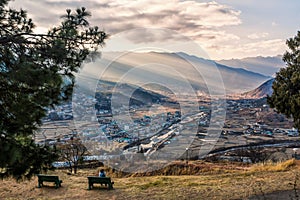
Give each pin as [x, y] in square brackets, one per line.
[260, 128]
[148, 126]
[61, 112]
[122, 131]
[252, 107]
[80, 105]
[176, 126]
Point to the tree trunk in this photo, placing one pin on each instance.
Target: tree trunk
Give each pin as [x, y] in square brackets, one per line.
[75, 167]
[70, 167]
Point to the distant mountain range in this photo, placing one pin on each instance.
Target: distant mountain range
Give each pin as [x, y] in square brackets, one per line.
[267, 66]
[173, 69]
[106, 91]
[263, 90]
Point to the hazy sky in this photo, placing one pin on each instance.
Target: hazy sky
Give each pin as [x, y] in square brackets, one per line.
[222, 28]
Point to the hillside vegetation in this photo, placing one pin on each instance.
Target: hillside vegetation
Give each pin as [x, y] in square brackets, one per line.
[212, 181]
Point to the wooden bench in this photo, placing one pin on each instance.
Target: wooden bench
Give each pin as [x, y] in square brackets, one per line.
[101, 180]
[47, 178]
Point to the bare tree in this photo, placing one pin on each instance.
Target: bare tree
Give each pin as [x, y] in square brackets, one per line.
[73, 152]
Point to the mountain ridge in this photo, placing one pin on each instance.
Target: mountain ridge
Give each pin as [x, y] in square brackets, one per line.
[264, 65]
[223, 65]
[263, 90]
[176, 69]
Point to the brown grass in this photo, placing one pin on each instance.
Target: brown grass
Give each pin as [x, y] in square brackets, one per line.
[178, 168]
[232, 181]
[274, 167]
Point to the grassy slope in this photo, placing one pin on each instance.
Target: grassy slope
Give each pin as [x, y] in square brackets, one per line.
[239, 183]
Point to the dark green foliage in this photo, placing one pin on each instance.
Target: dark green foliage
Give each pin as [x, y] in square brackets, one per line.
[23, 159]
[36, 71]
[286, 87]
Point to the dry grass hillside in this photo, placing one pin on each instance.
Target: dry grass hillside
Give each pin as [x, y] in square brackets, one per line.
[209, 181]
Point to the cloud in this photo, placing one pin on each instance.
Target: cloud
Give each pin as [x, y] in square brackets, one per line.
[206, 23]
[241, 50]
[153, 35]
[270, 45]
[201, 21]
[255, 36]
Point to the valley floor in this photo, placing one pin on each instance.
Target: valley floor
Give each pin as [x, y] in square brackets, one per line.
[264, 181]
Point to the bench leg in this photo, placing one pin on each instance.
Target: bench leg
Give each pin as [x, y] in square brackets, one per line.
[40, 184]
[110, 185]
[58, 184]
